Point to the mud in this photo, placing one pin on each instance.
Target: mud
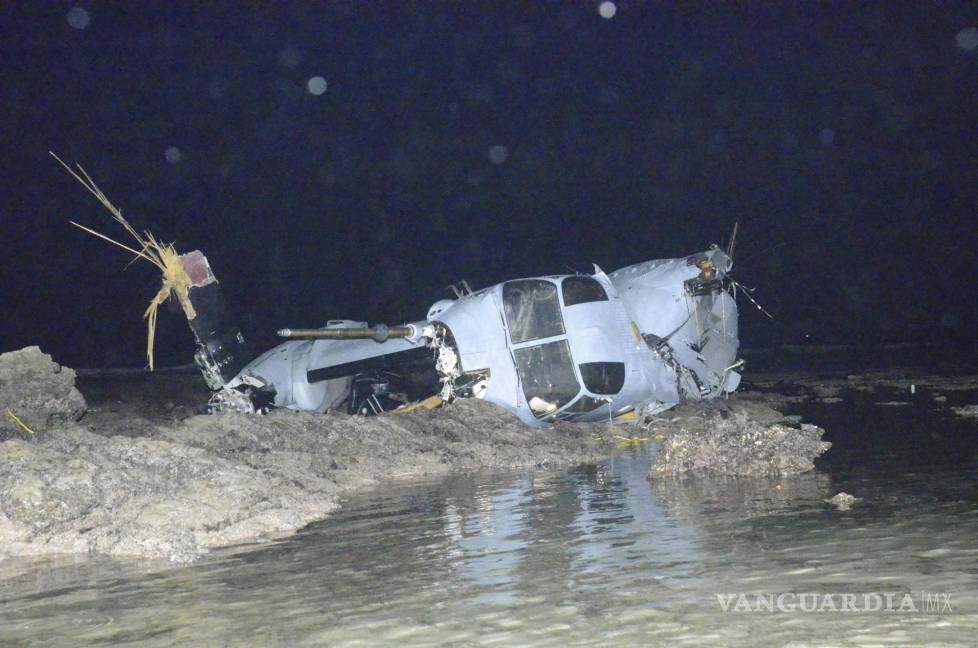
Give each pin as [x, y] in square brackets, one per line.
[142, 475]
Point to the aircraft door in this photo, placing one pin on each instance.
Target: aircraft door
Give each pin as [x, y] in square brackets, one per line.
[541, 352]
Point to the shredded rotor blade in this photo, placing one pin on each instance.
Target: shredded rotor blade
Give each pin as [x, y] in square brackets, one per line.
[114, 242]
[175, 280]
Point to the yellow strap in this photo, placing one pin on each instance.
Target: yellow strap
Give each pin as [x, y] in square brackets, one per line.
[18, 421]
[432, 402]
[628, 442]
[630, 415]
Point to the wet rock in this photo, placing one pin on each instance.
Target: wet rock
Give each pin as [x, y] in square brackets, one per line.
[827, 391]
[968, 411]
[176, 490]
[746, 439]
[74, 491]
[38, 391]
[890, 388]
[842, 501]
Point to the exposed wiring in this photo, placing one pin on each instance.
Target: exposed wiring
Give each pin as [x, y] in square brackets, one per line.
[748, 291]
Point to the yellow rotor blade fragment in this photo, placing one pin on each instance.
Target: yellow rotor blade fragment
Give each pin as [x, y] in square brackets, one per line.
[164, 257]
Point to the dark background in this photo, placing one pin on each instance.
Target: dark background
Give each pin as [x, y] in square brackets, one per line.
[843, 137]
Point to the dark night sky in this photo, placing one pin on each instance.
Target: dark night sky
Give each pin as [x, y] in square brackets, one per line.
[487, 141]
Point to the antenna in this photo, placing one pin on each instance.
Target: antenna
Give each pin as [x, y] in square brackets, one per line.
[733, 241]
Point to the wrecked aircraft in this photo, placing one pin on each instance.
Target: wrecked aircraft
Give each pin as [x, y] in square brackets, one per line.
[577, 347]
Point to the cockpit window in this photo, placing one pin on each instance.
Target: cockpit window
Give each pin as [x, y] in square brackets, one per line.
[532, 311]
[580, 290]
[547, 374]
[603, 377]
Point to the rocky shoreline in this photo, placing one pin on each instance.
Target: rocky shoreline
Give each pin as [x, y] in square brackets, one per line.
[748, 439]
[125, 480]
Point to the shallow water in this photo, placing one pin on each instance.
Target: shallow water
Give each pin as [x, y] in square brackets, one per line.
[591, 556]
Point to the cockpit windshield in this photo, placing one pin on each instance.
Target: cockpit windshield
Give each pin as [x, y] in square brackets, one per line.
[532, 310]
[582, 290]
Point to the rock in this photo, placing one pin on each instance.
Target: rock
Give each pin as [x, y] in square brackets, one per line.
[968, 411]
[38, 391]
[745, 439]
[175, 490]
[75, 491]
[842, 501]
